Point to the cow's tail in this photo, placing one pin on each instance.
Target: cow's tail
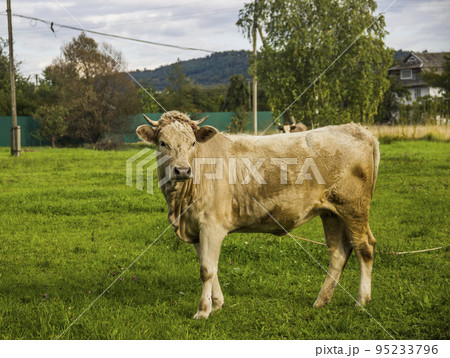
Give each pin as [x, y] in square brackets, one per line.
[376, 161]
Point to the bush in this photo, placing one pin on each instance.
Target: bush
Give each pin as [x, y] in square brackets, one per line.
[239, 121]
[112, 143]
[52, 123]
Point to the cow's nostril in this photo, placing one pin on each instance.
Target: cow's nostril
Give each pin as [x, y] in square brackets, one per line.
[181, 172]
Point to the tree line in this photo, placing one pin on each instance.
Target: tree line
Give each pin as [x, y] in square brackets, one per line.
[85, 94]
[327, 62]
[324, 61]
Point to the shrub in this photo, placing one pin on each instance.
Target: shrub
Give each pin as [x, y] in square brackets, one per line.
[52, 123]
[239, 121]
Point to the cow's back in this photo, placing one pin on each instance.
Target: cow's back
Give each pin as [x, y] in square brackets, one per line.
[334, 166]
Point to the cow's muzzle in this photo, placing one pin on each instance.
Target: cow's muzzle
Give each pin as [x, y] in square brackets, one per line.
[182, 173]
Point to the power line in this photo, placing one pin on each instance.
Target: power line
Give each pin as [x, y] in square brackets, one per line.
[138, 21]
[54, 24]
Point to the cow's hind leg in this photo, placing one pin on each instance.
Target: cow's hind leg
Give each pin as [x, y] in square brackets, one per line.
[363, 243]
[339, 251]
[208, 252]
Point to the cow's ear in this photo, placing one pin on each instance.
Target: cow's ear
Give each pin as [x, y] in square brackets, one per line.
[205, 133]
[146, 133]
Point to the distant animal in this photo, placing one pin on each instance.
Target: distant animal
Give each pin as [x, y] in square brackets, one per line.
[292, 128]
[270, 184]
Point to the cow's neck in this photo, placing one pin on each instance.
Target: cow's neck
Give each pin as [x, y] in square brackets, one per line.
[179, 196]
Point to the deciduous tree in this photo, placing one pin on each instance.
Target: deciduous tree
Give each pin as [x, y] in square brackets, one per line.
[238, 94]
[53, 122]
[302, 39]
[440, 80]
[389, 107]
[91, 85]
[25, 96]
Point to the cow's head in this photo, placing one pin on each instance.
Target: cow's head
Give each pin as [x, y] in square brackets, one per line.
[176, 135]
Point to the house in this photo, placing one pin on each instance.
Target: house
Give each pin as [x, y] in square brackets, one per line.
[411, 69]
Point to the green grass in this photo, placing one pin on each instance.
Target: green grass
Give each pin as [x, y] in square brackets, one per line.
[69, 225]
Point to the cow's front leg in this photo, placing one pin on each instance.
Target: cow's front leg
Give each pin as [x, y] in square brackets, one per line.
[208, 252]
[217, 295]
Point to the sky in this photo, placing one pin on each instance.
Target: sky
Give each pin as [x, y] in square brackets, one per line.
[207, 24]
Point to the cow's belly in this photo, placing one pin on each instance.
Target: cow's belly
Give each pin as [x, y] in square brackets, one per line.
[277, 217]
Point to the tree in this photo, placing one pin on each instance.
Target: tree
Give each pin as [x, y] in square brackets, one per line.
[440, 80]
[238, 94]
[25, 96]
[239, 121]
[90, 84]
[389, 107]
[178, 93]
[148, 103]
[302, 39]
[184, 95]
[52, 122]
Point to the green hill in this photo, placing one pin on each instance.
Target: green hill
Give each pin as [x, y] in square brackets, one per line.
[211, 70]
[208, 71]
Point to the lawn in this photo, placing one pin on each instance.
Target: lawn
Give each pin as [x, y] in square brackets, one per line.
[69, 226]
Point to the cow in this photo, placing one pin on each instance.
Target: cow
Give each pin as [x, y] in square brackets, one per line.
[337, 169]
[292, 128]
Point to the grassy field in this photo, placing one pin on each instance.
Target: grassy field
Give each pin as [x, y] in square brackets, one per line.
[69, 226]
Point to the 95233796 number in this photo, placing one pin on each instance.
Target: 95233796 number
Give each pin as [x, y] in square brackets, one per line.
[406, 349]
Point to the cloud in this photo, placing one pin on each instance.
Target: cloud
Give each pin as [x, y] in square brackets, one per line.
[418, 25]
[209, 24]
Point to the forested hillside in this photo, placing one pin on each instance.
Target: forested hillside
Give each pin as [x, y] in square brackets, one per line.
[208, 71]
[211, 70]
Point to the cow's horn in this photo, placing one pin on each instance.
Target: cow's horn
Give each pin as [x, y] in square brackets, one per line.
[152, 123]
[200, 121]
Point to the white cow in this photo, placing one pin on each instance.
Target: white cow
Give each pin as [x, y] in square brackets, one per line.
[277, 183]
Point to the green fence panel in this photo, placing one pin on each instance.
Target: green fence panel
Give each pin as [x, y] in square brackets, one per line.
[28, 128]
[219, 120]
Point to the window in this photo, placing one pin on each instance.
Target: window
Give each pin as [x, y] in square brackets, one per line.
[406, 74]
[417, 93]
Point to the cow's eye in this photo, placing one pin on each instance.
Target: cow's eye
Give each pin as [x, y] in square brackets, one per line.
[193, 144]
[163, 144]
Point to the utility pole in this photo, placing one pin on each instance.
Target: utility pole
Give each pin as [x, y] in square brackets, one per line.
[255, 81]
[15, 130]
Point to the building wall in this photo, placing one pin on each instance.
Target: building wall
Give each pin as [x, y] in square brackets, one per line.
[424, 91]
[435, 92]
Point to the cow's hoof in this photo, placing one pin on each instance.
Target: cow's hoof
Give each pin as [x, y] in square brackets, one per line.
[201, 315]
[217, 305]
[320, 303]
[363, 302]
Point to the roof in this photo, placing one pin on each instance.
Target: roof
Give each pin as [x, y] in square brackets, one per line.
[432, 60]
[425, 60]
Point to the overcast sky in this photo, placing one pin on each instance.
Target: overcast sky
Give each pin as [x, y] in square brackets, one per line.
[207, 24]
